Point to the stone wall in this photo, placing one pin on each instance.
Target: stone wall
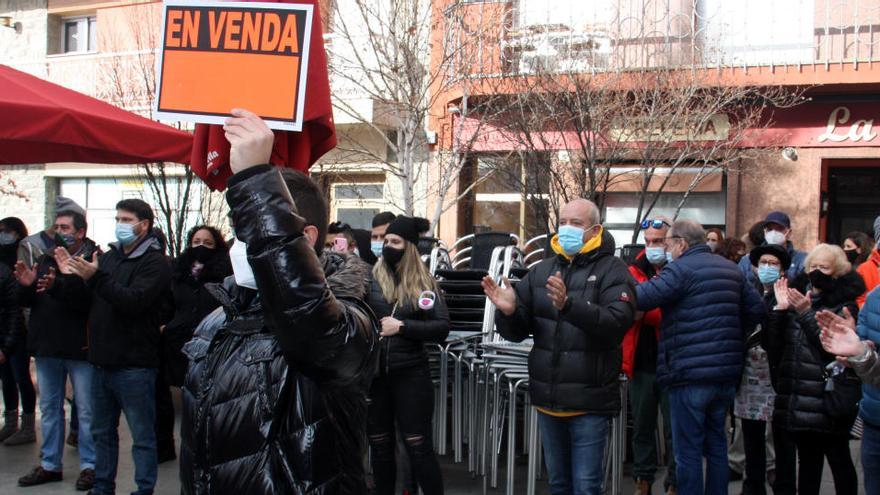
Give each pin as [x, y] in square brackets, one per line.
[25, 50]
[31, 182]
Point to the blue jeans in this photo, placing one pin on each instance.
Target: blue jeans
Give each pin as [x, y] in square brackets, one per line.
[52, 378]
[574, 449]
[698, 413]
[132, 391]
[871, 458]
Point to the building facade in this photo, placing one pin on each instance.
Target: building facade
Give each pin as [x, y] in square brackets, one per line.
[826, 52]
[817, 160]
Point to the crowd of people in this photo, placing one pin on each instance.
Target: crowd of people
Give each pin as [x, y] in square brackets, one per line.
[299, 347]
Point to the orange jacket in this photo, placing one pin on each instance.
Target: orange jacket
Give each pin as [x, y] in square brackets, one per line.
[870, 272]
[651, 318]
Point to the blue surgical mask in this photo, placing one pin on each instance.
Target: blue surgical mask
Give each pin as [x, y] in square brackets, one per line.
[7, 238]
[656, 255]
[571, 239]
[669, 257]
[125, 233]
[376, 248]
[768, 274]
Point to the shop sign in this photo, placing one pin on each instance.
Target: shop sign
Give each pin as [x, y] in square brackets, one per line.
[841, 128]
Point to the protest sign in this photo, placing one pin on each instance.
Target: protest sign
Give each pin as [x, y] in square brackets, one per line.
[221, 55]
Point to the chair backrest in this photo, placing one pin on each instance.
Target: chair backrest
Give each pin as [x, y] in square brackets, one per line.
[629, 252]
[483, 244]
[426, 244]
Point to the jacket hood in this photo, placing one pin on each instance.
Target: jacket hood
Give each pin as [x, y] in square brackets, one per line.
[149, 243]
[846, 288]
[347, 275]
[605, 249]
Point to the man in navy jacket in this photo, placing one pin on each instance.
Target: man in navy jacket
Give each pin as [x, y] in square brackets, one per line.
[707, 308]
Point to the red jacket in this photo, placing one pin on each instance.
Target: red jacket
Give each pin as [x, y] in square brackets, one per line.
[870, 272]
[651, 318]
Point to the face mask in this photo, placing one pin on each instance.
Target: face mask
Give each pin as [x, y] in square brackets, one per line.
[712, 245]
[656, 255]
[571, 239]
[69, 239]
[774, 237]
[202, 253]
[392, 256]
[376, 247]
[821, 281]
[7, 238]
[768, 274]
[669, 258]
[851, 255]
[125, 233]
[241, 268]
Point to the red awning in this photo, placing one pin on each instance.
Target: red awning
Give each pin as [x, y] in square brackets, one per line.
[42, 122]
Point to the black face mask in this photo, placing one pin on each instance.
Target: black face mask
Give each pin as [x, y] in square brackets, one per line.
[851, 255]
[821, 281]
[202, 253]
[392, 256]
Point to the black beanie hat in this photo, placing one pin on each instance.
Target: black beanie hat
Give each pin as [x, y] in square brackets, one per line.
[408, 228]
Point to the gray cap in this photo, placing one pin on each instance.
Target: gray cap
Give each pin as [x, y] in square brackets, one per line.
[68, 205]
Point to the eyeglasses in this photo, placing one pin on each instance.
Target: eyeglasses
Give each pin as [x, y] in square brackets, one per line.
[654, 224]
[667, 239]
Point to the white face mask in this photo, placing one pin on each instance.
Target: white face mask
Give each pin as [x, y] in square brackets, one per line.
[241, 268]
[774, 237]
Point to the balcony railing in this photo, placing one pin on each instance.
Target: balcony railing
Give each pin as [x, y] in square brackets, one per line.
[125, 79]
[522, 36]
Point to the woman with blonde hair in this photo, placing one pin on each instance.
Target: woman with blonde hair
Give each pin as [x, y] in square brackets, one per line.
[804, 371]
[411, 311]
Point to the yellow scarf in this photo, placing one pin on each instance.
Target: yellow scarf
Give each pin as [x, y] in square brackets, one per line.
[591, 245]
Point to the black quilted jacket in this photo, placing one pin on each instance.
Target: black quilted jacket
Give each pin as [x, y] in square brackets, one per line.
[798, 359]
[274, 400]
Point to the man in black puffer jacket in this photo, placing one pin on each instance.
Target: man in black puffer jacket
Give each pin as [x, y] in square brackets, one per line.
[127, 285]
[578, 304]
[274, 400]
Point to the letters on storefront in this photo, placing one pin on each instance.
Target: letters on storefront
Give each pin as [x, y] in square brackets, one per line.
[858, 130]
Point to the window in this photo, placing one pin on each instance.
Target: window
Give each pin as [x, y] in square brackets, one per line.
[358, 218]
[80, 34]
[99, 196]
[358, 191]
[356, 198]
[708, 208]
[513, 195]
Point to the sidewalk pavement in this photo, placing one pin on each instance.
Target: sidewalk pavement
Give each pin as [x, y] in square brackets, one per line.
[17, 461]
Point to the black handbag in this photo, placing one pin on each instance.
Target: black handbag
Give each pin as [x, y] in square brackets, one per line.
[843, 391]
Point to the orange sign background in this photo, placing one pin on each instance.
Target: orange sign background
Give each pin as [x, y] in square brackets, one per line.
[221, 55]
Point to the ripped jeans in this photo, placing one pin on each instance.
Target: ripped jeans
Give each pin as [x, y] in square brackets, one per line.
[404, 397]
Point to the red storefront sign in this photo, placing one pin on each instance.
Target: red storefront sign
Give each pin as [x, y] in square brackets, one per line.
[824, 125]
[811, 124]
